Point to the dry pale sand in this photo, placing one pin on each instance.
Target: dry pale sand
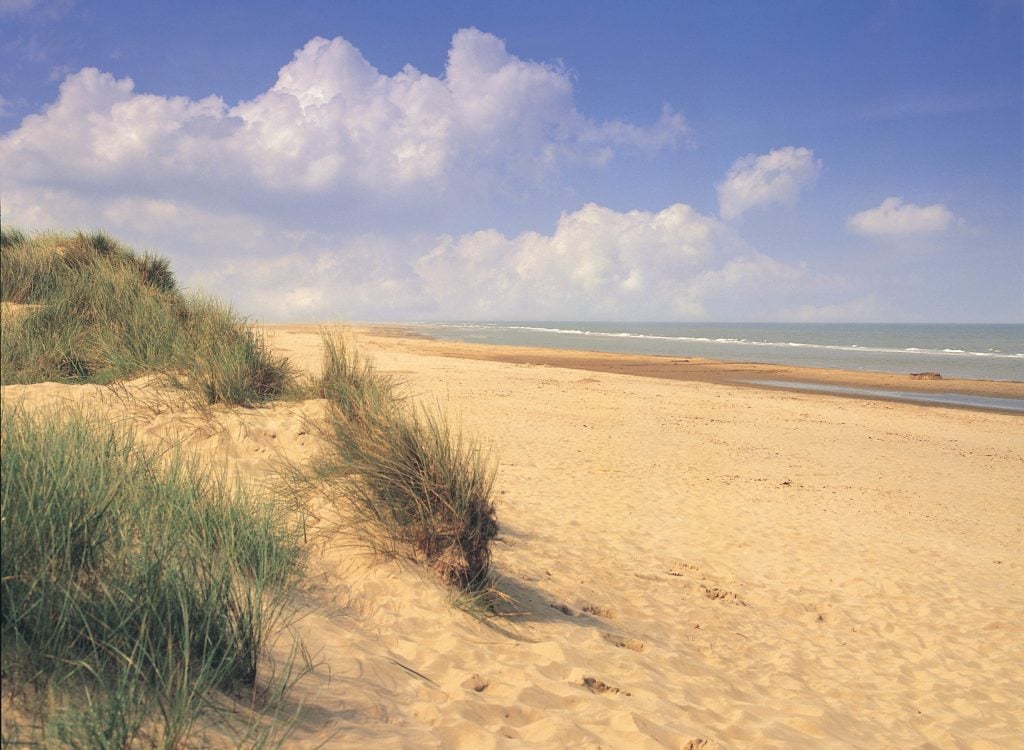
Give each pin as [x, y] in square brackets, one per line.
[695, 564]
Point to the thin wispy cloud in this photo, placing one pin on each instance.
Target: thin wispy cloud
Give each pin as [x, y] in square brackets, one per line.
[48, 10]
[10, 7]
[894, 217]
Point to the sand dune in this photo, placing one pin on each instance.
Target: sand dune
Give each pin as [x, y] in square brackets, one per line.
[694, 565]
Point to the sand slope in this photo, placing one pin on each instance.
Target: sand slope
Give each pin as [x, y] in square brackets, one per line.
[695, 565]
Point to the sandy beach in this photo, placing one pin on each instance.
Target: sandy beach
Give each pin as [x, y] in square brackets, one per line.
[693, 563]
[500, 375]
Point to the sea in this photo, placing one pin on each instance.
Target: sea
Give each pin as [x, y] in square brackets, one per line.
[975, 351]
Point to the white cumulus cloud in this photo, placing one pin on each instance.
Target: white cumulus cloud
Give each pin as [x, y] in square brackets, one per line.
[894, 217]
[602, 264]
[322, 192]
[332, 125]
[345, 193]
[775, 177]
[595, 263]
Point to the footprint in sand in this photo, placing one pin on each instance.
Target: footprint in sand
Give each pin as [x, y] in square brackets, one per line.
[594, 685]
[599, 611]
[477, 683]
[633, 644]
[589, 609]
[682, 569]
[716, 593]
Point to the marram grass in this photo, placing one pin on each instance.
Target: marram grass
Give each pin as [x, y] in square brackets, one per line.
[409, 483]
[94, 311]
[138, 591]
[135, 589]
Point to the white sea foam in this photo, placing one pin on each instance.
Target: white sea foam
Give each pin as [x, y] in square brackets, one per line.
[750, 342]
[971, 351]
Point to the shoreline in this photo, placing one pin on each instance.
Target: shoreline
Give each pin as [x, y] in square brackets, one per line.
[877, 386]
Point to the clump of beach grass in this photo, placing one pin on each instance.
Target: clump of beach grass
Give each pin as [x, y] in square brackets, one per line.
[225, 360]
[138, 591]
[410, 484]
[96, 311]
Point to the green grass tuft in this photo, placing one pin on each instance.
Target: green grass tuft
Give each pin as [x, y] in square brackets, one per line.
[99, 313]
[132, 588]
[413, 485]
[137, 588]
[226, 361]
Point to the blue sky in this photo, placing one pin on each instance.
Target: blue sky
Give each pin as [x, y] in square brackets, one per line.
[805, 161]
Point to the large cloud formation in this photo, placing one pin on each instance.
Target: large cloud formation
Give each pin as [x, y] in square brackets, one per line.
[342, 192]
[596, 263]
[670, 264]
[331, 123]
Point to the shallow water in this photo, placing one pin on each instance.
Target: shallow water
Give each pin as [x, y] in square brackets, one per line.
[994, 403]
[975, 351]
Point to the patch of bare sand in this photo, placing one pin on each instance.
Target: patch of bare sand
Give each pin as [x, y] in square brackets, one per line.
[695, 565]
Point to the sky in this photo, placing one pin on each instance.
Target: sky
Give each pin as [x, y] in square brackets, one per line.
[817, 161]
